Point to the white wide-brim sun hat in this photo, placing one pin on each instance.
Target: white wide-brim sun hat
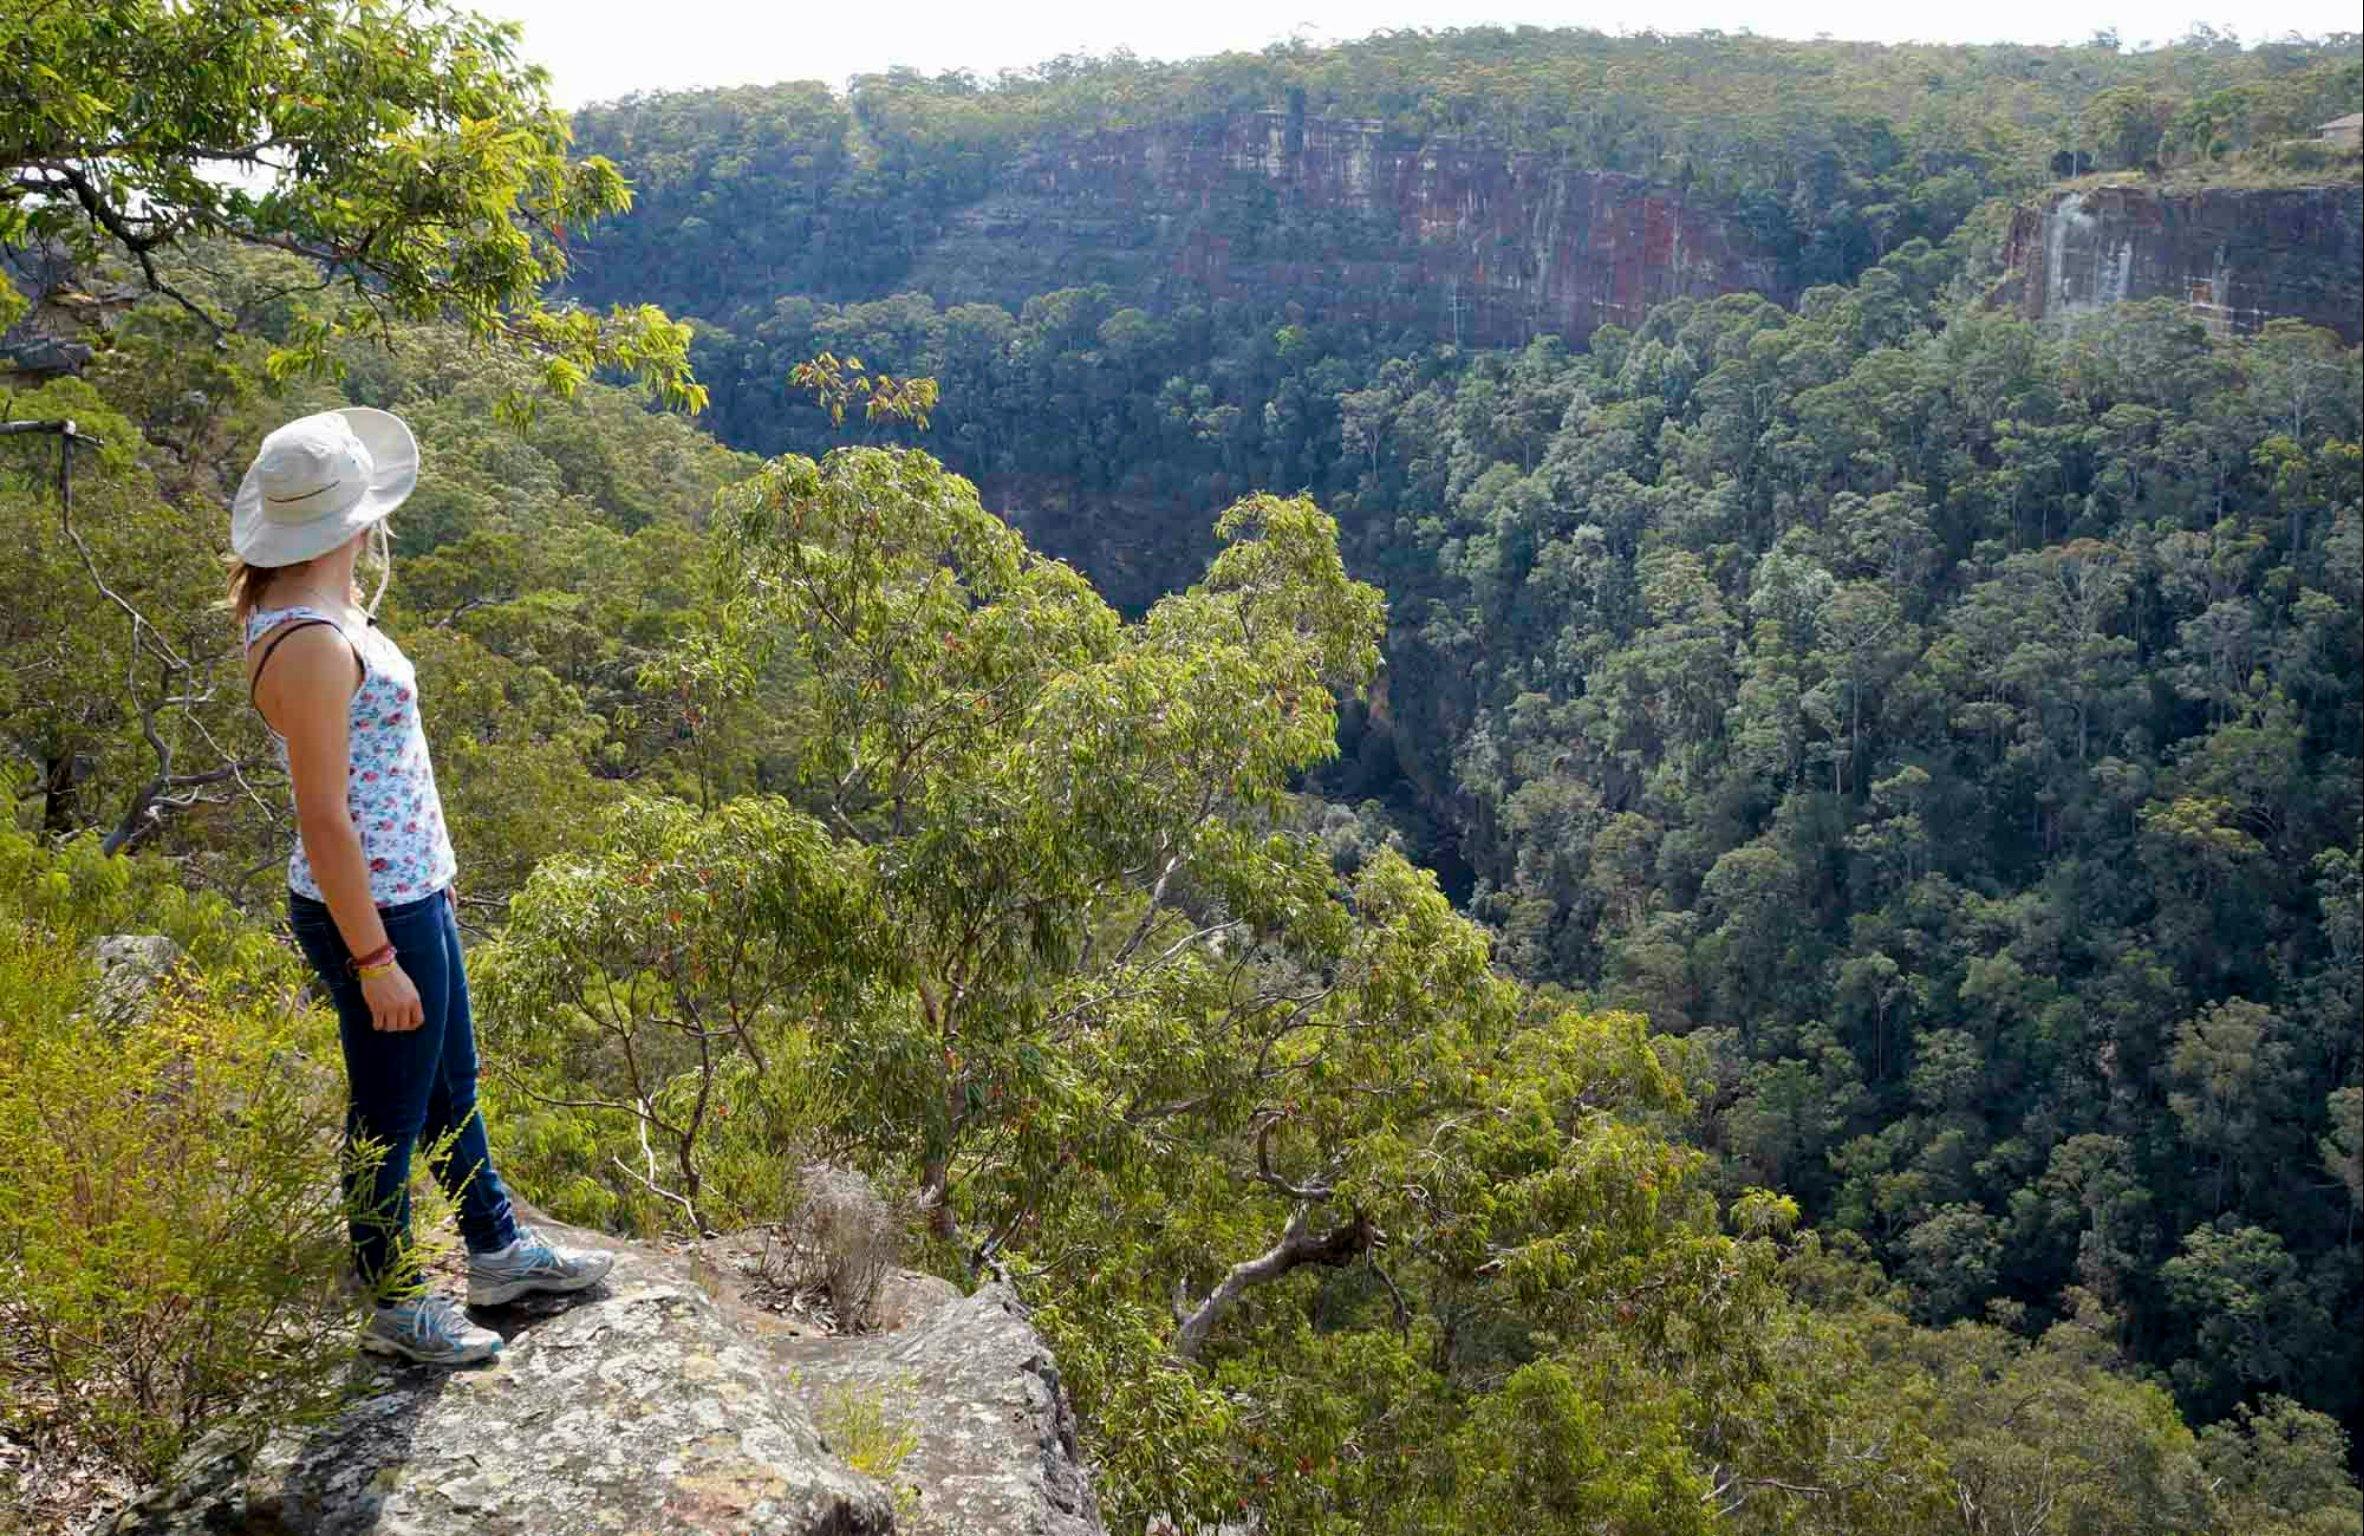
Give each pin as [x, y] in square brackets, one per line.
[318, 481]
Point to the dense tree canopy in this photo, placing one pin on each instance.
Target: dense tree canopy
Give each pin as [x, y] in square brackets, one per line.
[1948, 724]
[1829, 153]
[1954, 728]
[1872, 1046]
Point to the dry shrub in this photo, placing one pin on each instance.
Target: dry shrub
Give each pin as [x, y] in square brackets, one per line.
[840, 1238]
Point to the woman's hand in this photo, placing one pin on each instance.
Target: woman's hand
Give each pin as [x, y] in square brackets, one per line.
[393, 1001]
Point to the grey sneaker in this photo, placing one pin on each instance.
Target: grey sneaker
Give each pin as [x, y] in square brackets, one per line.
[429, 1330]
[530, 1264]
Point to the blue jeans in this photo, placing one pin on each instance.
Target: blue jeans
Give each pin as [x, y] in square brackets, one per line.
[407, 1087]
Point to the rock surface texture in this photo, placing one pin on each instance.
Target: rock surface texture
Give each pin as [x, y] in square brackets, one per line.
[129, 966]
[1453, 237]
[2238, 256]
[659, 1402]
[994, 1447]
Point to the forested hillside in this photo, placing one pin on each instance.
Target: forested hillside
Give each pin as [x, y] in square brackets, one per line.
[1824, 155]
[1949, 722]
[1511, 1285]
[1148, 287]
[1749, 926]
[1955, 728]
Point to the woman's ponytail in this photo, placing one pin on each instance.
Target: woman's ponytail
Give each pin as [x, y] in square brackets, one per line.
[247, 585]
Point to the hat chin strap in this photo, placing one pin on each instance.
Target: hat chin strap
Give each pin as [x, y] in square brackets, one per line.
[385, 552]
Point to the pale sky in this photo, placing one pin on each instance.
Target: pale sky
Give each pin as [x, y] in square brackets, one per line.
[599, 49]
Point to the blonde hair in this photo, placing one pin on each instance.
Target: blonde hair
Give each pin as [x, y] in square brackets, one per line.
[249, 584]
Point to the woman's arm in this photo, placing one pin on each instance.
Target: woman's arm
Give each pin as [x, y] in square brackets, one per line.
[305, 693]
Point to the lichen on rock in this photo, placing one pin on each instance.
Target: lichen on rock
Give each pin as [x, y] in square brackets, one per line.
[994, 1450]
[661, 1401]
[637, 1409]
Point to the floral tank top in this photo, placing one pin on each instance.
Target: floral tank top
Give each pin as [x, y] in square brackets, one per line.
[389, 783]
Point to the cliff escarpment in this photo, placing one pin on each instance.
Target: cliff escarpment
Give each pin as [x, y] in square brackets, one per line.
[1459, 240]
[2239, 256]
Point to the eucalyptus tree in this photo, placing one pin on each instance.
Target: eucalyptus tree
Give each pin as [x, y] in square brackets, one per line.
[400, 164]
[1026, 918]
[400, 146]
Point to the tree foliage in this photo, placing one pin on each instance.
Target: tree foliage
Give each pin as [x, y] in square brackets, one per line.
[403, 149]
[1753, 929]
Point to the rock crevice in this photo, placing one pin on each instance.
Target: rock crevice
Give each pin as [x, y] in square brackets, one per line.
[993, 1439]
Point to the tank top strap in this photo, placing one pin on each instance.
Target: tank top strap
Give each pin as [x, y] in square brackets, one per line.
[263, 620]
[294, 616]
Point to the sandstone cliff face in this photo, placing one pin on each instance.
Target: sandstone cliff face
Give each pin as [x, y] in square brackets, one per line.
[662, 1401]
[2238, 256]
[48, 339]
[1470, 243]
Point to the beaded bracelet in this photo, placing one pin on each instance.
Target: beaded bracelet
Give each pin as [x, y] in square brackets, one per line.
[376, 963]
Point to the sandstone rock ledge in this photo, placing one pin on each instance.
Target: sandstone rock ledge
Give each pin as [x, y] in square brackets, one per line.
[656, 1403]
[994, 1450]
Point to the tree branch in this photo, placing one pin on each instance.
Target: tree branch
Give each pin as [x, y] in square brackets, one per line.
[1298, 1247]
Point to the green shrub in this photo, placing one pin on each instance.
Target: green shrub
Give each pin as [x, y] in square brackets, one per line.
[872, 1438]
[169, 1218]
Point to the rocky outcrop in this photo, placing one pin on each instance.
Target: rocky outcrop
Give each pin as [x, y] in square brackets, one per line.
[664, 1401]
[1468, 241]
[53, 335]
[130, 967]
[993, 1440]
[2239, 256]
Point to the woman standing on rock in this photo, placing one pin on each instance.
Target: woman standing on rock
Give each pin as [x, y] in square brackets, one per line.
[370, 897]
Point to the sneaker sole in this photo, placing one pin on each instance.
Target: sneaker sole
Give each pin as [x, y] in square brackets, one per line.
[373, 1344]
[493, 1294]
